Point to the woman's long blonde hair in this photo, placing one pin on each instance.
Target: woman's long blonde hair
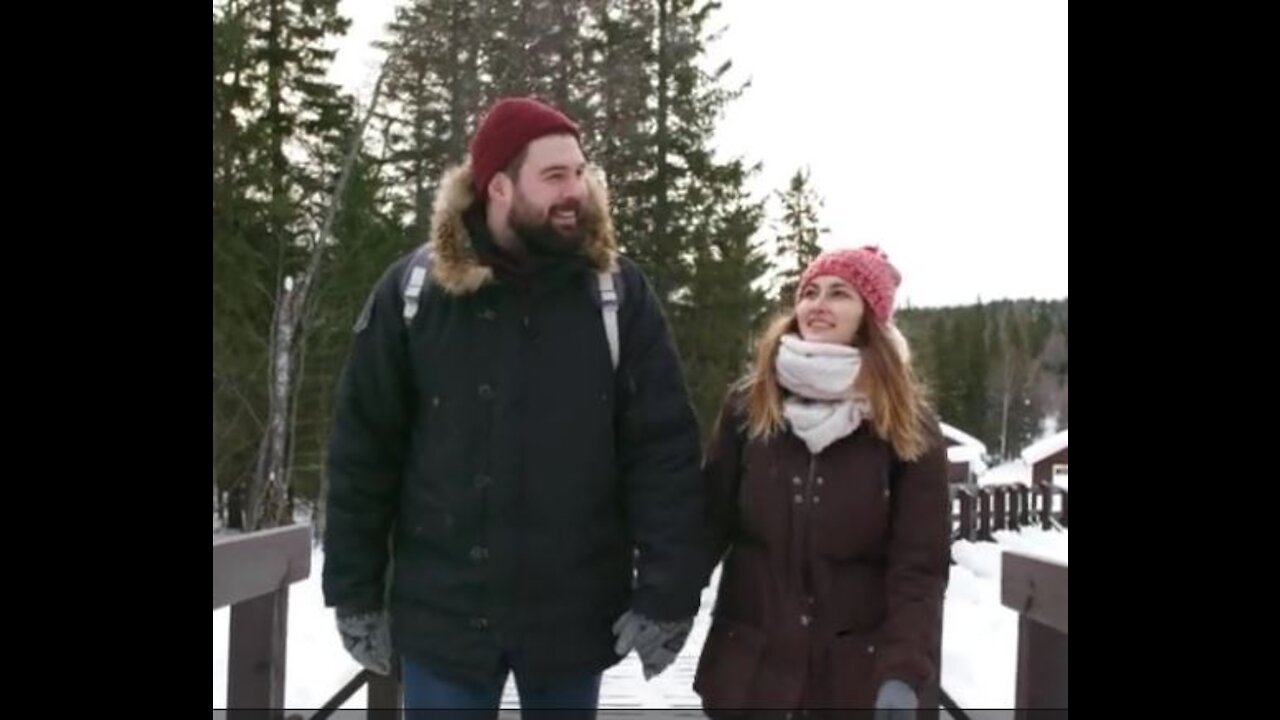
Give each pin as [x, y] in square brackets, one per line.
[898, 404]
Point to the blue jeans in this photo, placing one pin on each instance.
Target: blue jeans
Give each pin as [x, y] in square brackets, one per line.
[427, 696]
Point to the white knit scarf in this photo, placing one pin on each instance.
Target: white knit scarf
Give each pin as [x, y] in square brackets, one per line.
[822, 405]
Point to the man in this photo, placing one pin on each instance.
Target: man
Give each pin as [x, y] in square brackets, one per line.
[501, 498]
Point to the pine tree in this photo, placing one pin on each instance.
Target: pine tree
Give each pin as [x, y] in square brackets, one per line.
[728, 303]
[798, 233]
[276, 119]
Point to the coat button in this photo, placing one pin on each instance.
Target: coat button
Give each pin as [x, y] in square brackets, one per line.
[804, 620]
[487, 314]
[479, 623]
[483, 481]
[799, 498]
[819, 479]
[816, 499]
[485, 392]
[796, 481]
[479, 553]
[435, 401]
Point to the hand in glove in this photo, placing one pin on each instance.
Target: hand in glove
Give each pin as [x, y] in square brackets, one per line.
[896, 701]
[657, 643]
[367, 636]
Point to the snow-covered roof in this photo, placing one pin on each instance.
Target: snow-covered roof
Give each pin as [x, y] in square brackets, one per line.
[1014, 471]
[953, 433]
[967, 455]
[1043, 448]
[963, 453]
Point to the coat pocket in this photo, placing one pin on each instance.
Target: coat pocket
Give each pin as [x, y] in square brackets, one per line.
[728, 665]
[851, 668]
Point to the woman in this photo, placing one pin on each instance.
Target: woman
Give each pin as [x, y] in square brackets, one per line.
[826, 485]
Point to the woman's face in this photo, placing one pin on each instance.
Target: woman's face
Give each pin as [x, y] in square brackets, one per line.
[829, 310]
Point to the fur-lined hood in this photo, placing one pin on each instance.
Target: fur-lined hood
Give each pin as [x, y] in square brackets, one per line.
[455, 267]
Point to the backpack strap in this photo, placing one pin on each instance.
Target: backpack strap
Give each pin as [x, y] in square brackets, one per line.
[609, 293]
[609, 301]
[416, 275]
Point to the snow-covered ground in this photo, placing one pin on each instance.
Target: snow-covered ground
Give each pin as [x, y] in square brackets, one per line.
[978, 656]
[979, 634]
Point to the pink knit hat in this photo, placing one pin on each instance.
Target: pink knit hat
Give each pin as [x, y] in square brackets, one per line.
[867, 269]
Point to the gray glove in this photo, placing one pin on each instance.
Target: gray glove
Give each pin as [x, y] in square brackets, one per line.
[367, 637]
[896, 701]
[657, 643]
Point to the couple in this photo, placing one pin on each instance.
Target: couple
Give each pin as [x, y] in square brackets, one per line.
[516, 483]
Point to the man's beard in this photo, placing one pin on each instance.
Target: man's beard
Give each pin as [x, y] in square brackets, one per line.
[540, 236]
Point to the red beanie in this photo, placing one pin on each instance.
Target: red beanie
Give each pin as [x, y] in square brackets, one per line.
[867, 269]
[509, 125]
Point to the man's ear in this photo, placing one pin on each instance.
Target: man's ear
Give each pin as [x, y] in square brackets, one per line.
[500, 186]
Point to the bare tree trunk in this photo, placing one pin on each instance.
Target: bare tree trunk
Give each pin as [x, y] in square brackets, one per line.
[273, 502]
[259, 490]
[269, 499]
[294, 401]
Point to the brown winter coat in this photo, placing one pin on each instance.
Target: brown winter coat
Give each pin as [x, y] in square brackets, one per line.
[835, 573]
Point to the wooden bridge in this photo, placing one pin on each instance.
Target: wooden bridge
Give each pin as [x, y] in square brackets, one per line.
[252, 574]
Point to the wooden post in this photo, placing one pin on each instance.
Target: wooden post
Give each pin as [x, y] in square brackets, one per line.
[1001, 495]
[967, 502]
[1015, 507]
[256, 654]
[953, 492]
[1037, 590]
[1046, 506]
[984, 514]
[252, 574]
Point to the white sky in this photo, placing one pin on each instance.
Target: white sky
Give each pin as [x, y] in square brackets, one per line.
[937, 130]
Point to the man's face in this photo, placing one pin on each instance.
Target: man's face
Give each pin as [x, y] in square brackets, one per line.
[549, 195]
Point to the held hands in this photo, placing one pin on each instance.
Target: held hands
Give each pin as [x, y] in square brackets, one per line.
[657, 643]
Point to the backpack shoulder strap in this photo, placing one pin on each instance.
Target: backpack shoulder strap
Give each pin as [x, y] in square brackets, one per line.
[416, 275]
[609, 293]
[610, 289]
